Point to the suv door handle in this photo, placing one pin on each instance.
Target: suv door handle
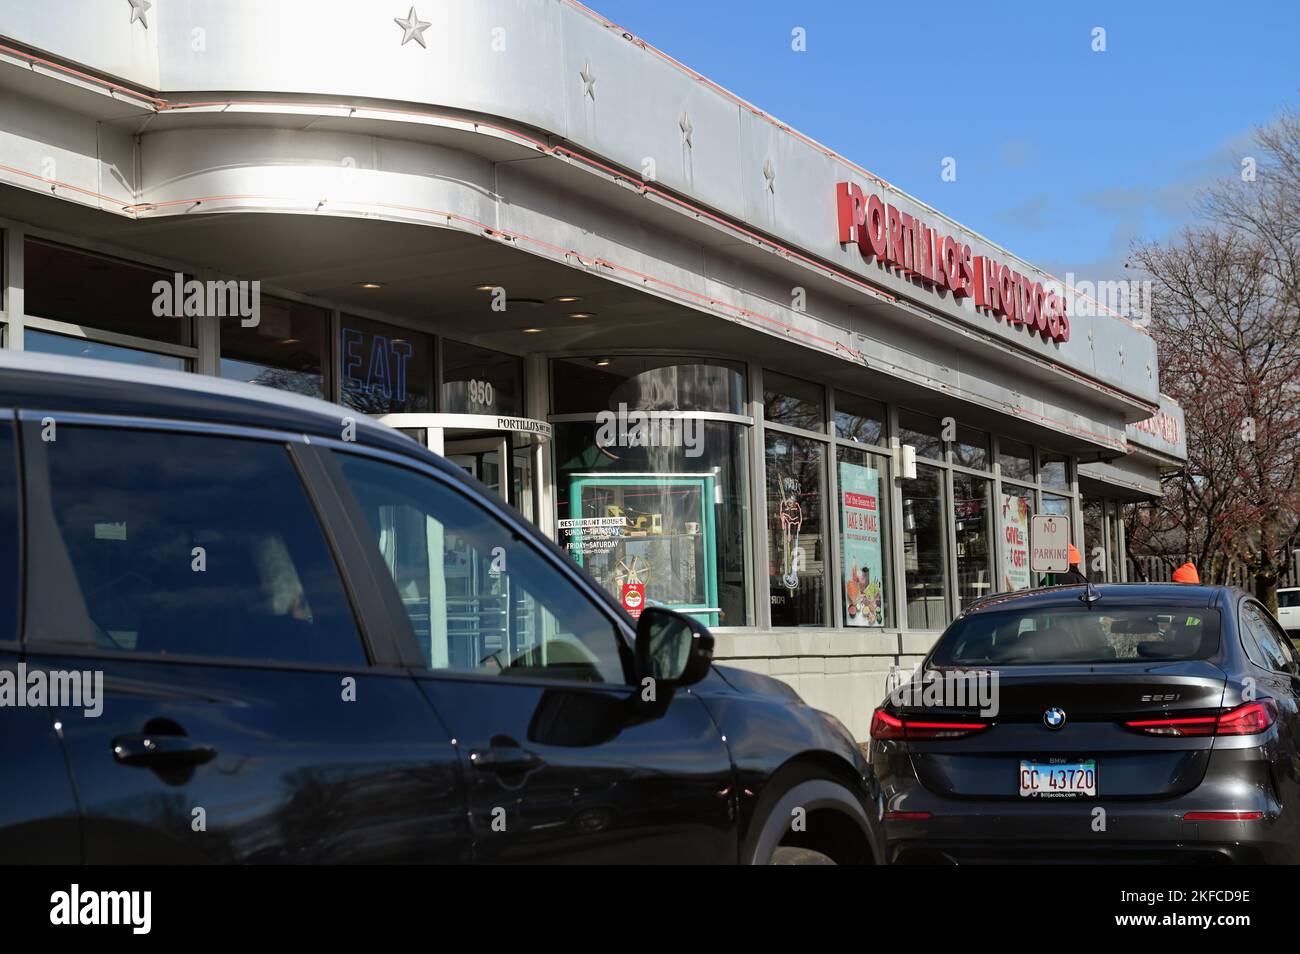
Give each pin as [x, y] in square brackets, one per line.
[505, 758]
[151, 750]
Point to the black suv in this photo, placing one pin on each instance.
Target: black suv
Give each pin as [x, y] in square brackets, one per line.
[246, 627]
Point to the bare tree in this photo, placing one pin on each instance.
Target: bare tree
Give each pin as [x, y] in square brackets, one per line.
[1226, 319]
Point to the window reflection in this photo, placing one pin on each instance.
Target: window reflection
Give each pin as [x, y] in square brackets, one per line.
[924, 550]
[795, 549]
[670, 520]
[1015, 459]
[922, 431]
[971, 499]
[284, 350]
[971, 448]
[98, 292]
[859, 419]
[648, 383]
[793, 403]
[479, 381]
[46, 343]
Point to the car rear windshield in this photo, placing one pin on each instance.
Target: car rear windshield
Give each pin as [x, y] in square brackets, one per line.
[1059, 635]
[1288, 599]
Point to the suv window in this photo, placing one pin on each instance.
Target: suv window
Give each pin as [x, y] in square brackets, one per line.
[192, 545]
[480, 598]
[1266, 645]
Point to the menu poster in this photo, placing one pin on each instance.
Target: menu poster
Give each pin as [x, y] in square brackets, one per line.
[862, 563]
[1015, 543]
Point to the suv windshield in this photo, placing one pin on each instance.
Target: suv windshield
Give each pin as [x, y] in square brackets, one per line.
[1060, 635]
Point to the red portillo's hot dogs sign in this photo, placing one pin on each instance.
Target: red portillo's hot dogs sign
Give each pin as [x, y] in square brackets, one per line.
[943, 263]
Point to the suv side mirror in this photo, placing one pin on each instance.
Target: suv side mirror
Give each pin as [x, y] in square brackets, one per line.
[672, 649]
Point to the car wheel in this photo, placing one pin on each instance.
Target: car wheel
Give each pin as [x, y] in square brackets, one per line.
[813, 793]
[787, 855]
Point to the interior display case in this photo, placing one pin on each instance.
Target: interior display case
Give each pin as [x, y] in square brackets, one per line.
[647, 538]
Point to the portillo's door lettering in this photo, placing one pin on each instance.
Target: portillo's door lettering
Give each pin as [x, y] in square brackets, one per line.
[941, 262]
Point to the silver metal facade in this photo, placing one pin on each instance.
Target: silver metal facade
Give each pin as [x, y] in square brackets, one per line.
[536, 126]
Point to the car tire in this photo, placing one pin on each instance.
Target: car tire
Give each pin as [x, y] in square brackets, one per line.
[805, 788]
[786, 855]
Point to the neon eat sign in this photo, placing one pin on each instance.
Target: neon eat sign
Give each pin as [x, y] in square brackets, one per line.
[382, 364]
[941, 262]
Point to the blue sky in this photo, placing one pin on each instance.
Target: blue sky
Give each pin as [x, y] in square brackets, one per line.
[1064, 155]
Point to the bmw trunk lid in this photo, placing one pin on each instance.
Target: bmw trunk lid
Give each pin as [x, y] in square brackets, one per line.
[1070, 715]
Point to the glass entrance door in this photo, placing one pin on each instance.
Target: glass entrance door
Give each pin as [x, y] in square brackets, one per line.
[504, 453]
[481, 459]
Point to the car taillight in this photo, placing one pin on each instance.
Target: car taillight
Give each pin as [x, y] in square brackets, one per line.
[885, 726]
[1248, 719]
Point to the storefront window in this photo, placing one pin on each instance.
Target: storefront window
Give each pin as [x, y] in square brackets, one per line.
[285, 349]
[1056, 505]
[859, 419]
[1016, 460]
[924, 550]
[479, 381]
[1016, 507]
[662, 524]
[795, 468]
[1115, 553]
[64, 284]
[865, 555]
[971, 448]
[1052, 470]
[793, 403]
[922, 431]
[46, 343]
[971, 500]
[384, 369]
[1094, 539]
[647, 383]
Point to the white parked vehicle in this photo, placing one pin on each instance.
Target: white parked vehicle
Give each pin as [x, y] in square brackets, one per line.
[1288, 610]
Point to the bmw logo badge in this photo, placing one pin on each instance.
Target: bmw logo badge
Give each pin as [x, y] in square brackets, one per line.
[1054, 718]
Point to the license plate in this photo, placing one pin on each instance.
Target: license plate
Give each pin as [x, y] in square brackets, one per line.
[1058, 779]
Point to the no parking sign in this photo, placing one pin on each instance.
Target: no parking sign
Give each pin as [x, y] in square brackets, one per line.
[1049, 544]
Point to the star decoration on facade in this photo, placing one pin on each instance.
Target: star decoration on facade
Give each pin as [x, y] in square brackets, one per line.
[412, 28]
[588, 80]
[769, 173]
[687, 129]
[138, 9]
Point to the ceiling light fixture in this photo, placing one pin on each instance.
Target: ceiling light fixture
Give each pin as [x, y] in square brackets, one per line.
[567, 299]
[370, 284]
[582, 314]
[532, 331]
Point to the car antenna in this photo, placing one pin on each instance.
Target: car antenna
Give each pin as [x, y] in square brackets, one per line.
[1090, 593]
